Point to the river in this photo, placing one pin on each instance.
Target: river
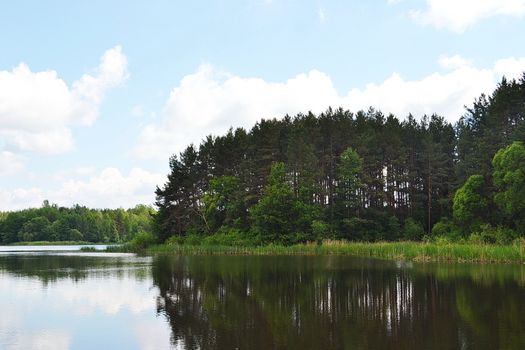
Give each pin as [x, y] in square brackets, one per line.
[72, 300]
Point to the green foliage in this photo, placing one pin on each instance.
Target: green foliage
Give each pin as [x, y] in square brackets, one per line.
[223, 204]
[279, 215]
[75, 235]
[446, 228]
[320, 230]
[489, 234]
[360, 173]
[142, 240]
[349, 171]
[53, 223]
[373, 226]
[233, 237]
[470, 203]
[412, 230]
[509, 179]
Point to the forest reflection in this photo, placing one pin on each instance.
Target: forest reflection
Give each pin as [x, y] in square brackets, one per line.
[228, 302]
[51, 268]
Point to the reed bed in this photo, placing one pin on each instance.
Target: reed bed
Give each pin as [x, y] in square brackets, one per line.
[413, 251]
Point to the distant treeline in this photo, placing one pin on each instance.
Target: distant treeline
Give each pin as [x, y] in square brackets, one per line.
[363, 176]
[54, 223]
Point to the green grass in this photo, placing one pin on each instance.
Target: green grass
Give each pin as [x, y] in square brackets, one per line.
[413, 251]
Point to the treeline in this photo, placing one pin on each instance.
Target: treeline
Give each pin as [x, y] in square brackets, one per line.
[53, 223]
[363, 176]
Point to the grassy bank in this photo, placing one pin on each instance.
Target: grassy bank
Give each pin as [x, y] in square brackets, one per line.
[414, 251]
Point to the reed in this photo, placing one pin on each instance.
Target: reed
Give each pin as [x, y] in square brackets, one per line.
[413, 251]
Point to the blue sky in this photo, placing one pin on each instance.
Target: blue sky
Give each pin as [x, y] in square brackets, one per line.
[95, 96]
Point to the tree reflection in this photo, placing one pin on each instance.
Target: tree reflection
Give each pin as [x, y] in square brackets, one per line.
[49, 268]
[330, 303]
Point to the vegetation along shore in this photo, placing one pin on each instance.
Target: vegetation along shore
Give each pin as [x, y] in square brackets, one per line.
[416, 189]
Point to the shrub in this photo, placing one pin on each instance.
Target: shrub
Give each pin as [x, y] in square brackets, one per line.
[320, 230]
[75, 235]
[412, 230]
[228, 237]
[193, 239]
[142, 240]
[446, 228]
[491, 235]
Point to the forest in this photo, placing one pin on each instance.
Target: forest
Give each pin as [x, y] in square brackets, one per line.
[361, 176]
[53, 223]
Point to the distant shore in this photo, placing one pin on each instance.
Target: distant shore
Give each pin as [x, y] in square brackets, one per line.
[40, 243]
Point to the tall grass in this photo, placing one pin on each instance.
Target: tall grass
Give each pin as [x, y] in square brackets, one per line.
[415, 251]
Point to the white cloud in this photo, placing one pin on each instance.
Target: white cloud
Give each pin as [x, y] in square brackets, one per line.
[107, 189]
[155, 335]
[111, 189]
[510, 67]
[452, 62]
[37, 108]
[210, 101]
[40, 340]
[458, 15]
[20, 198]
[443, 94]
[10, 163]
[111, 296]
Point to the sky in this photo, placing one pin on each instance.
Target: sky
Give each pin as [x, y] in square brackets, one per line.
[95, 96]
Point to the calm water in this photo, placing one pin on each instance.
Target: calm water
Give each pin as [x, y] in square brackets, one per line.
[71, 300]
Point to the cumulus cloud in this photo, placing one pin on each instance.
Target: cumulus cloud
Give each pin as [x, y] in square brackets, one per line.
[107, 189]
[458, 15]
[112, 189]
[111, 296]
[210, 101]
[443, 94]
[37, 108]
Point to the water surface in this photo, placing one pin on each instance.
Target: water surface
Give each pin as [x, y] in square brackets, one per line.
[72, 300]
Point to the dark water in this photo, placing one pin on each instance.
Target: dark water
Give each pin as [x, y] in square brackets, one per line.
[100, 301]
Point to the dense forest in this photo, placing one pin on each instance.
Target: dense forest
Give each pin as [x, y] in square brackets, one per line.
[355, 176]
[53, 223]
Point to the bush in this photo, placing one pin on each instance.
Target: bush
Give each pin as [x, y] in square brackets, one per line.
[493, 235]
[175, 240]
[228, 237]
[193, 239]
[320, 230]
[142, 240]
[75, 235]
[359, 229]
[445, 228]
[412, 230]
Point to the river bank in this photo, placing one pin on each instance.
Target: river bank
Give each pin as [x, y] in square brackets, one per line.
[409, 251]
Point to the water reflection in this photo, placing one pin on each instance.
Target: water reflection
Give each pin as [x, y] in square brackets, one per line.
[79, 301]
[86, 301]
[216, 302]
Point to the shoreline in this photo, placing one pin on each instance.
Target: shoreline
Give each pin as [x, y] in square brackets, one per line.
[51, 243]
[407, 251]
